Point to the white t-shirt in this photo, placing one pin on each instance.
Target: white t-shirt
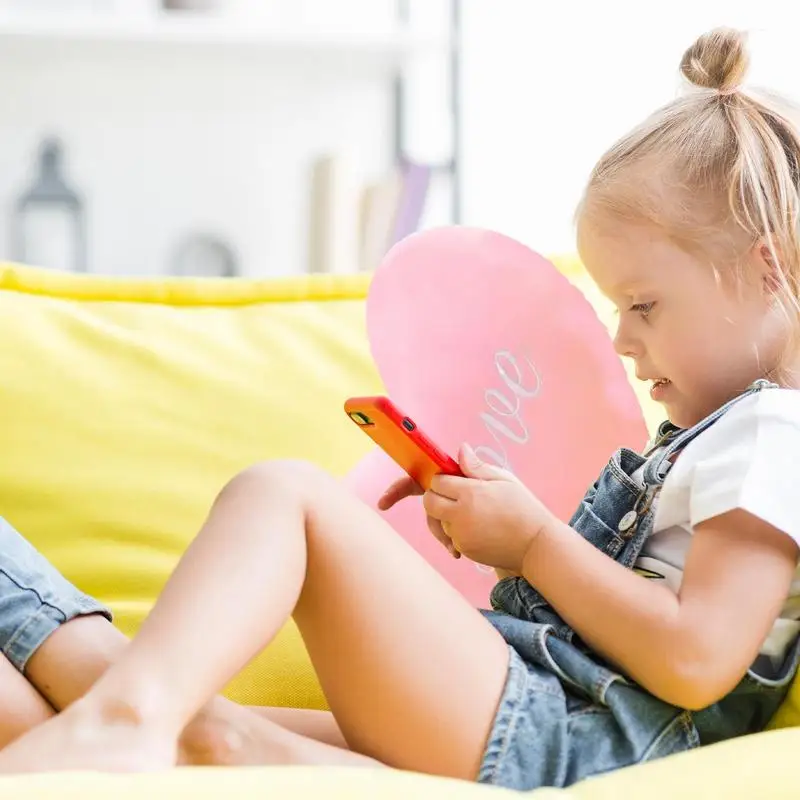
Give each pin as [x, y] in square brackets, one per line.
[748, 459]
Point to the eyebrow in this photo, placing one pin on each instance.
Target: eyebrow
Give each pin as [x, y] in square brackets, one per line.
[630, 287]
[622, 286]
[617, 292]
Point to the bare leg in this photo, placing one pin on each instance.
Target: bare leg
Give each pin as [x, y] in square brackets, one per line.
[74, 657]
[21, 706]
[413, 674]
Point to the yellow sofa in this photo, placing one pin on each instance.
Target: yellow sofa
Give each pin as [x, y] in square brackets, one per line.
[125, 407]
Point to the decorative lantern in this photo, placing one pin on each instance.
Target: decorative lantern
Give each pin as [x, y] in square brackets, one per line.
[49, 227]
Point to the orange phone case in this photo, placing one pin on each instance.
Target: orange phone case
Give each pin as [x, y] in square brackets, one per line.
[400, 438]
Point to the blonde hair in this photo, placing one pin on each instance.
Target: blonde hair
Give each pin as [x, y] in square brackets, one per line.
[718, 169]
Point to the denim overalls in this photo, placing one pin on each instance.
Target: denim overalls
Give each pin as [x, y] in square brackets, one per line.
[565, 714]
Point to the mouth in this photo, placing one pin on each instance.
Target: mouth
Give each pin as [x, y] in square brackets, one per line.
[659, 387]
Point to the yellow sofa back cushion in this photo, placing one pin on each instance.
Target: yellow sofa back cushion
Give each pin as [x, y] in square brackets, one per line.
[126, 405]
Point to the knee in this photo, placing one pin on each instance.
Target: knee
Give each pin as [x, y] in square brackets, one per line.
[290, 478]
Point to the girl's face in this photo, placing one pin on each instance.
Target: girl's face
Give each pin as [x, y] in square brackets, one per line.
[697, 338]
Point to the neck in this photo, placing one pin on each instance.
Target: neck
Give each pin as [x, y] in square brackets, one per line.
[787, 374]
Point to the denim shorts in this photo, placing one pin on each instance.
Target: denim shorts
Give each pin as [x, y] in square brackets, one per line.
[35, 599]
[564, 717]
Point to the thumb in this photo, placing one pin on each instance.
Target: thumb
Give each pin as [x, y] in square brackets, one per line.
[472, 466]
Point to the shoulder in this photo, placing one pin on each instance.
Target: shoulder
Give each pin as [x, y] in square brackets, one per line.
[780, 403]
[760, 422]
[746, 460]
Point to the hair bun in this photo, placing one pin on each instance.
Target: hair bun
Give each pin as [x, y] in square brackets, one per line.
[717, 60]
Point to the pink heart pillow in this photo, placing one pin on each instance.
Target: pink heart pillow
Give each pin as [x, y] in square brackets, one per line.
[480, 340]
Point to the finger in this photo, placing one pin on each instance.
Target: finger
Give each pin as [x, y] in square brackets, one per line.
[472, 466]
[440, 534]
[399, 490]
[436, 528]
[448, 485]
[438, 507]
[454, 551]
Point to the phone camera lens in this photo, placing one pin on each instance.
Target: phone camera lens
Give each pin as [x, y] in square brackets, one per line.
[408, 424]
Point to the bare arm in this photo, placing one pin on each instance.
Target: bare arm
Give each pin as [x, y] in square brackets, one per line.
[689, 649]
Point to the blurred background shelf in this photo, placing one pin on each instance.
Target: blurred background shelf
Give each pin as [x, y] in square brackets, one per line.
[213, 35]
[247, 124]
[266, 137]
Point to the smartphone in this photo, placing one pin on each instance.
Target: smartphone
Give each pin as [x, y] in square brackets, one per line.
[400, 438]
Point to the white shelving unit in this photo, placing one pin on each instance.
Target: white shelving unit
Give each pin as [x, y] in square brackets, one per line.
[181, 32]
[178, 123]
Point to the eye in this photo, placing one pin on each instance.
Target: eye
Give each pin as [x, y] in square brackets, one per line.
[643, 309]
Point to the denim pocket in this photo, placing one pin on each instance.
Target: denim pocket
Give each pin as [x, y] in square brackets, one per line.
[596, 531]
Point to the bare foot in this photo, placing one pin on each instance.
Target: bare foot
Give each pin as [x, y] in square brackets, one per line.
[226, 737]
[90, 736]
[227, 734]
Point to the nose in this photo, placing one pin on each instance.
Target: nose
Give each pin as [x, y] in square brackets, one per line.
[626, 345]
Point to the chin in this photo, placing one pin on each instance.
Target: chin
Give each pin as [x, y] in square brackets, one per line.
[687, 415]
[681, 416]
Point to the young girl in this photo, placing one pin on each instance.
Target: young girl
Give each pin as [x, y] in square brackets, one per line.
[663, 617]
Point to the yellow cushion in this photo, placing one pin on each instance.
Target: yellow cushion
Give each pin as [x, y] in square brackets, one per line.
[282, 783]
[126, 405]
[760, 767]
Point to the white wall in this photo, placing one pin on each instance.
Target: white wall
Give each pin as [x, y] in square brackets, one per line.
[165, 143]
[548, 87]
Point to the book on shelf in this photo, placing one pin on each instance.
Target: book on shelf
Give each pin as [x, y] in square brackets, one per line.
[333, 244]
[354, 225]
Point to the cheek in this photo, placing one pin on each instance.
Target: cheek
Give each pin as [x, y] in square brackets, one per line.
[695, 342]
[721, 348]
[684, 332]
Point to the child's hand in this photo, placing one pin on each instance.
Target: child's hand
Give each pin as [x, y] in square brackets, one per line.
[399, 490]
[489, 516]
[408, 487]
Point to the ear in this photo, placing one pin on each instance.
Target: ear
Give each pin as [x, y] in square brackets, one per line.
[767, 261]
